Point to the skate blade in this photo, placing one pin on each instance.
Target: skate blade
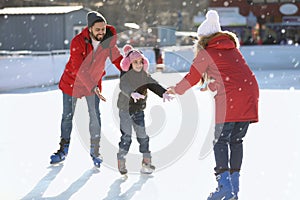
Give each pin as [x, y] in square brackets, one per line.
[146, 170]
[124, 176]
[55, 166]
[95, 169]
[233, 198]
[57, 163]
[97, 164]
[123, 172]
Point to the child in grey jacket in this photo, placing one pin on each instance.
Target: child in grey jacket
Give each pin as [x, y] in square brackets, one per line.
[134, 82]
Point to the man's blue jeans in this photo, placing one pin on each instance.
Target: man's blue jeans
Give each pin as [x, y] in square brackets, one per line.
[69, 104]
[229, 136]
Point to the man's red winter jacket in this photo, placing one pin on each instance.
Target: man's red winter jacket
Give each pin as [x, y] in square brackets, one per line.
[85, 67]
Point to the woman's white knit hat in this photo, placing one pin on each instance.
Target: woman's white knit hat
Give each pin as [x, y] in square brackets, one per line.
[210, 25]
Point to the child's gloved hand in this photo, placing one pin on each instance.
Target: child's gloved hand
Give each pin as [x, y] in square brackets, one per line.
[136, 96]
[167, 96]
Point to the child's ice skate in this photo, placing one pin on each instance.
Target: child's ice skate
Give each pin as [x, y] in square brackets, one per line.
[122, 166]
[147, 167]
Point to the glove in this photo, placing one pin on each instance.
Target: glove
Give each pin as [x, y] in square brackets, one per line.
[136, 96]
[168, 97]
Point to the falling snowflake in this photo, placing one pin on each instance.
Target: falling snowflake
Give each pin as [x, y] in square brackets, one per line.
[226, 3]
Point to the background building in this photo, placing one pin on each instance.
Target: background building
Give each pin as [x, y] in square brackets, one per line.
[40, 28]
[268, 21]
[152, 17]
[144, 23]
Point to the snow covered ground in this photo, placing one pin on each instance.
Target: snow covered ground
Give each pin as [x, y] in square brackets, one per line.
[30, 130]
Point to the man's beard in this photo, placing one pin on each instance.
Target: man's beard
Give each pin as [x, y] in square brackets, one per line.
[95, 37]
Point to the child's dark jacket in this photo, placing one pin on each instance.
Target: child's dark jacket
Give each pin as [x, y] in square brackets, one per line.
[132, 81]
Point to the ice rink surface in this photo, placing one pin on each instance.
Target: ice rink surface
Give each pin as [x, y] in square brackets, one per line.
[30, 130]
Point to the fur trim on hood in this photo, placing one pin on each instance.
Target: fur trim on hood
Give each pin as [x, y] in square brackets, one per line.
[203, 41]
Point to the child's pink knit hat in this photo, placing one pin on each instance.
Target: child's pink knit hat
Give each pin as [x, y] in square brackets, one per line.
[132, 54]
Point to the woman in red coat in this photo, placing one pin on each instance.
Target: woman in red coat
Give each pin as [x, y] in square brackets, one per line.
[236, 99]
[82, 77]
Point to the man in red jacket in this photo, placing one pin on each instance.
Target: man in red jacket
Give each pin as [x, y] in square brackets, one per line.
[82, 77]
[236, 99]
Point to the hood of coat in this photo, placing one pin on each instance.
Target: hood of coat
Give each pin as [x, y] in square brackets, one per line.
[220, 40]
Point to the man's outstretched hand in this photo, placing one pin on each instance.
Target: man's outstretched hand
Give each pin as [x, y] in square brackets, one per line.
[98, 93]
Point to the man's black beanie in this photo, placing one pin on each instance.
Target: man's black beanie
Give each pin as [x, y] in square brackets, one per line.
[93, 17]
